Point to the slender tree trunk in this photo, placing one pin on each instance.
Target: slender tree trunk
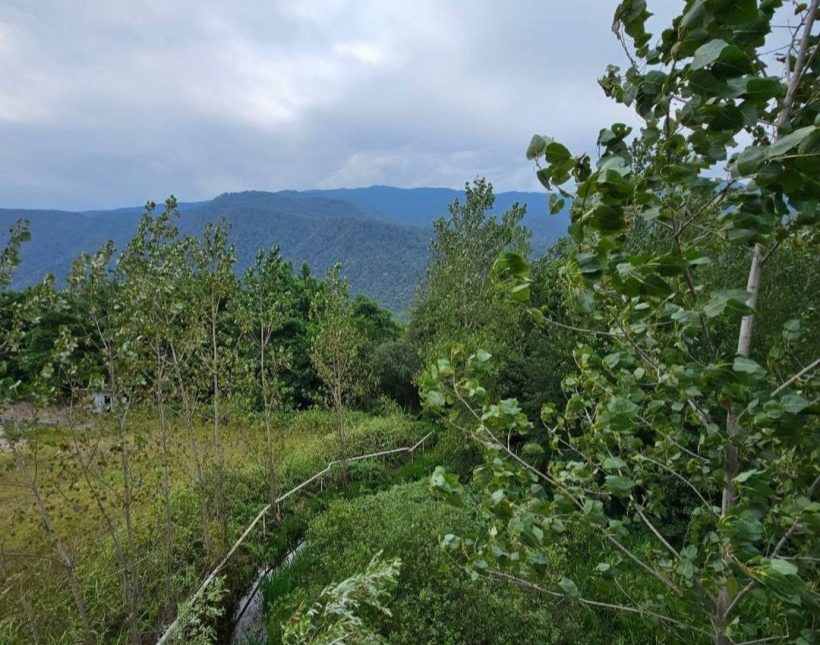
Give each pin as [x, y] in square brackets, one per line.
[270, 466]
[126, 552]
[730, 451]
[340, 432]
[204, 505]
[130, 582]
[187, 407]
[204, 502]
[125, 464]
[166, 492]
[129, 596]
[220, 474]
[59, 548]
[127, 493]
[744, 342]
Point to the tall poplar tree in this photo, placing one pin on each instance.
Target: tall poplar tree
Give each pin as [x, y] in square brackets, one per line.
[260, 309]
[334, 350]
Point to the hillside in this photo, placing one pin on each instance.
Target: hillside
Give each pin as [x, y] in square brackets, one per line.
[379, 234]
[420, 206]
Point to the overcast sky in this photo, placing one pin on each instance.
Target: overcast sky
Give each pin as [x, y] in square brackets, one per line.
[106, 104]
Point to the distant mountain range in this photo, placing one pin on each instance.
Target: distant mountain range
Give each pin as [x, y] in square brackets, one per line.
[380, 234]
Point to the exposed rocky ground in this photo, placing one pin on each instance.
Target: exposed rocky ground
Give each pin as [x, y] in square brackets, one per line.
[25, 414]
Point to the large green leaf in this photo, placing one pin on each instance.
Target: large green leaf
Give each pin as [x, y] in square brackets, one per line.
[784, 144]
[708, 53]
[537, 146]
[747, 366]
[794, 403]
[719, 301]
[569, 587]
[620, 486]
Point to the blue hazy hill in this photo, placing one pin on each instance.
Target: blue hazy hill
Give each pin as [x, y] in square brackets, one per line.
[380, 234]
[420, 206]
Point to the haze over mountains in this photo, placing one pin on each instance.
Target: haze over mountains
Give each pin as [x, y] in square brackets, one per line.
[380, 234]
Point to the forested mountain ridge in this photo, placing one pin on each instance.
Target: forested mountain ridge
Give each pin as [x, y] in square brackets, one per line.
[380, 234]
[419, 206]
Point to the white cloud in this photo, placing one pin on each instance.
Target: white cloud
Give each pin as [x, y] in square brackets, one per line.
[110, 103]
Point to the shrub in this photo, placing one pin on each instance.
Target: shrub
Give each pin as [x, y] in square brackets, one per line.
[435, 601]
[319, 421]
[366, 476]
[456, 453]
[374, 434]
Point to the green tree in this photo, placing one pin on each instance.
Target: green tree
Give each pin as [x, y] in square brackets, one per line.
[214, 259]
[394, 365]
[380, 336]
[533, 372]
[149, 269]
[457, 302]
[9, 330]
[666, 407]
[335, 350]
[10, 253]
[301, 381]
[261, 309]
[375, 323]
[185, 339]
[96, 292]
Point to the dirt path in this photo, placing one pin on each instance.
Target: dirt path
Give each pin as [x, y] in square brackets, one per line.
[25, 413]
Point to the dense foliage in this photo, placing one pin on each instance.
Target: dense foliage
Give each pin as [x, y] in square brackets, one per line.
[432, 603]
[625, 437]
[668, 404]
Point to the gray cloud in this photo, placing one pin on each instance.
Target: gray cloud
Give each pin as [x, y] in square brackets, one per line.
[104, 104]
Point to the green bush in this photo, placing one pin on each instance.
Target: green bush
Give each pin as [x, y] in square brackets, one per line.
[366, 476]
[456, 453]
[319, 421]
[373, 434]
[365, 434]
[421, 466]
[435, 601]
[299, 465]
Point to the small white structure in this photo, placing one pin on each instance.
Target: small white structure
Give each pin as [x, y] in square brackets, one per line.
[100, 402]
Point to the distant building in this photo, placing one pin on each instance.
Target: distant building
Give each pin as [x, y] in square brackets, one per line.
[100, 402]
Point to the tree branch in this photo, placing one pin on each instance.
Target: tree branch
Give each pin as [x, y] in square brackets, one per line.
[595, 603]
[652, 528]
[799, 66]
[681, 477]
[581, 330]
[656, 574]
[801, 373]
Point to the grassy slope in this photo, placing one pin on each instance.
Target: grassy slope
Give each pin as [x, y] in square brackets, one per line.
[303, 445]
